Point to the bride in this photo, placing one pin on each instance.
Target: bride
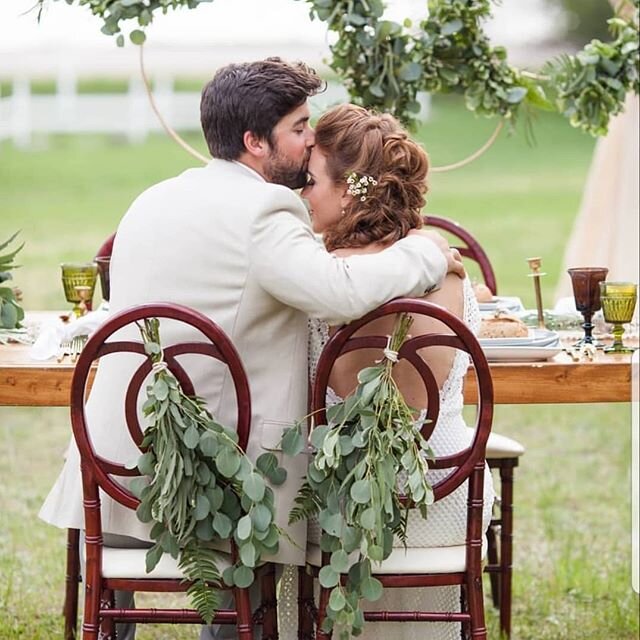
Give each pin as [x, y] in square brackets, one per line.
[366, 187]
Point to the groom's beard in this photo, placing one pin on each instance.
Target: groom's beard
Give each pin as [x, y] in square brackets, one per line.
[282, 170]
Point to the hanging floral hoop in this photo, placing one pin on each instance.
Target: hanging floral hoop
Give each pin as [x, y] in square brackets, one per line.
[383, 65]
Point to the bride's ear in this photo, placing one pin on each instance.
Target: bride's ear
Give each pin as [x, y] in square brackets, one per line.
[255, 146]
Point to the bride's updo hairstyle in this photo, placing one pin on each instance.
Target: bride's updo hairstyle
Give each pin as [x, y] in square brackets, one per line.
[358, 141]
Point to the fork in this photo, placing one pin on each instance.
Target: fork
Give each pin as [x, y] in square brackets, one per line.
[63, 350]
[77, 345]
[71, 347]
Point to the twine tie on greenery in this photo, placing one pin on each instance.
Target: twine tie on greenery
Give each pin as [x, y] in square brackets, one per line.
[159, 366]
[389, 353]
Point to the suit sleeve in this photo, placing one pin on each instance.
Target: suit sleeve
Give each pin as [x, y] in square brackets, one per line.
[294, 267]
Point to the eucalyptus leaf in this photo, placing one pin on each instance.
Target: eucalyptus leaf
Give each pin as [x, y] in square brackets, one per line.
[368, 518]
[451, 27]
[215, 496]
[222, 525]
[137, 36]
[152, 557]
[227, 576]
[146, 463]
[261, 517]
[337, 600]
[254, 487]
[318, 435]
[369, 373]
[339, 561]
[160, 389]
[371, 589]
[191, 437]
[328, 577]
[245, 527]
[202, 508]
[227, 462]
[267, 462]
[243, 577]
[277, 476]
[361, 491]
[293, 441]
[248, 554]
[204, 530]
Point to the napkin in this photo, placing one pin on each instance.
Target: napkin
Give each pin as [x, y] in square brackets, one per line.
[54, 333]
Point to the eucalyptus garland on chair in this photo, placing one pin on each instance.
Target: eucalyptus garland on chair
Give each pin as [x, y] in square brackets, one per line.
[199, 487]
[384, 65]
[353, 485]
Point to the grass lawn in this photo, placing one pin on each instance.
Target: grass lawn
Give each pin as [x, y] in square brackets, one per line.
[572, 521]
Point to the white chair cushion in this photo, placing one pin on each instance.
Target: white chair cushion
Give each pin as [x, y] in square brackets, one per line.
[500, 446]
[412, 559]
[130, 563]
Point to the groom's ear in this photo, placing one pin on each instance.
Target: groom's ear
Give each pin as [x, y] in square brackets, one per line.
[255, 146]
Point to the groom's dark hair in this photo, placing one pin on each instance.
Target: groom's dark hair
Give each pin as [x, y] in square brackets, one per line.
[253, 96]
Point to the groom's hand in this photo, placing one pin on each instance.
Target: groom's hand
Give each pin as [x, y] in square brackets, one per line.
[454, 259]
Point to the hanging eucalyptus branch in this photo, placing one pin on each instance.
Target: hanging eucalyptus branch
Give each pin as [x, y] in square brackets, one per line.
[384, 65]
[198, 487]
[366, 460]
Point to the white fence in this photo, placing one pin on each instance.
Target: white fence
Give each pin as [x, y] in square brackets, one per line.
[24, 114]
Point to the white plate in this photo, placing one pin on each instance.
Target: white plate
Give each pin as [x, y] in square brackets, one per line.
[508, 303]
[520, 354]
[536, 338]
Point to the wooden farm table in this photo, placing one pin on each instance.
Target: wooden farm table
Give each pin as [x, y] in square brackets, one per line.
[25, 382]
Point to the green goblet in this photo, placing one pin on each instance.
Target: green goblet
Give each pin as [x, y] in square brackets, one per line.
[75, 276]
[618, 301]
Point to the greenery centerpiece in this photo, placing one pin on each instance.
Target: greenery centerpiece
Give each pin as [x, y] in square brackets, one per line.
[368, 468]
[11, 313]
[199, 488]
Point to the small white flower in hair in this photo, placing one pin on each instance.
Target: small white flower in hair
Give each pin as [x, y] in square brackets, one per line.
[358, 185]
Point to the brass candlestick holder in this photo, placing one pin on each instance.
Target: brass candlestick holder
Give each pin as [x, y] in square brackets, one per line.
[535, 264]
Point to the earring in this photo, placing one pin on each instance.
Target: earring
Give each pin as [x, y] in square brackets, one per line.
[342, 213]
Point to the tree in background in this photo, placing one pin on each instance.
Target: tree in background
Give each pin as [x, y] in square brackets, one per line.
[583, 20]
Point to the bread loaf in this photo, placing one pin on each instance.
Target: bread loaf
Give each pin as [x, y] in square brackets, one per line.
[503, 326]
[482, 292]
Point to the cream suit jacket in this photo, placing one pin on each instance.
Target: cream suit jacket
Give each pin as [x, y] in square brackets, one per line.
[222, 240]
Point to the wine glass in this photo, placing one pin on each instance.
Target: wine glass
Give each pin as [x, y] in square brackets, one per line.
[75, 275]
[83, 292]
[586, 293]
[104, 263]
[618, 304]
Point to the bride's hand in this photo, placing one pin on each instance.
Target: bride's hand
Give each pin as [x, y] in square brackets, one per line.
[454, 259]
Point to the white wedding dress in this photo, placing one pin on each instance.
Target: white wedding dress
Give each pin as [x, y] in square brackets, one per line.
[444, 526]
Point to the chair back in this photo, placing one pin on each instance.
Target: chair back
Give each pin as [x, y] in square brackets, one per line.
[468, 461]
[106, 247]
[102, 472]
[470, 249]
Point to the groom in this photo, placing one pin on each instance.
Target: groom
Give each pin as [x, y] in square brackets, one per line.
[233, 241]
